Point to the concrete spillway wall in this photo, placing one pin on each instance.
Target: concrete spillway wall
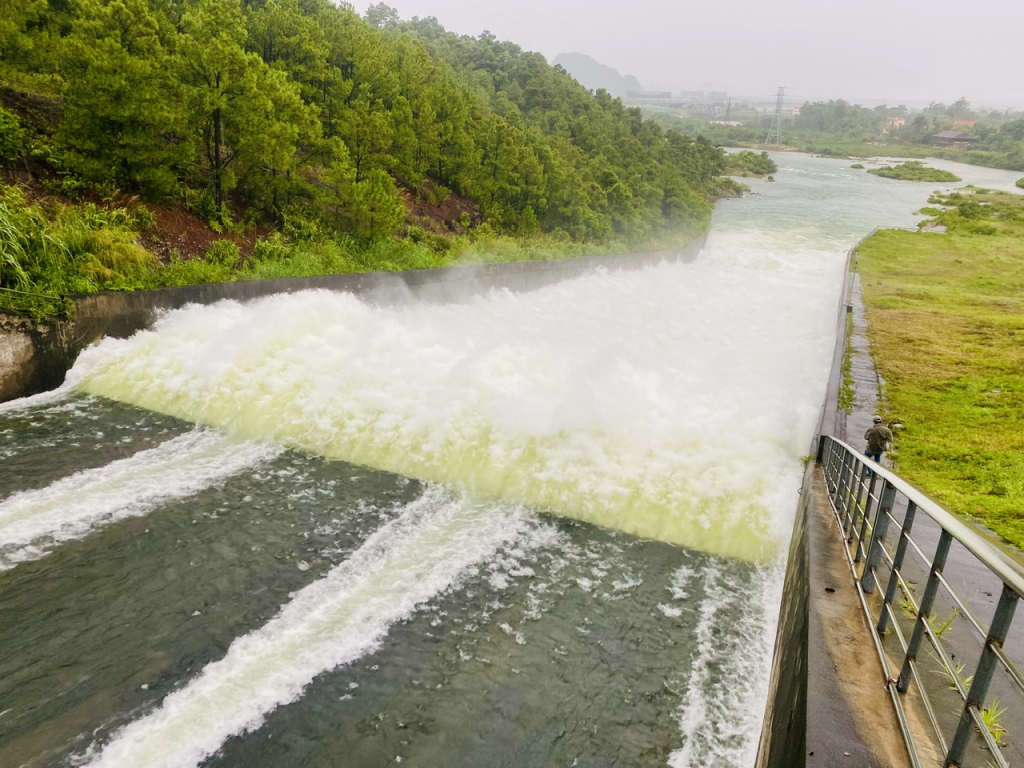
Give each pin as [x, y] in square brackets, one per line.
[789, 730]
[35, 356]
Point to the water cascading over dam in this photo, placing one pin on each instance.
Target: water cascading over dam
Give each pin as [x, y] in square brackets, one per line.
[523, 529]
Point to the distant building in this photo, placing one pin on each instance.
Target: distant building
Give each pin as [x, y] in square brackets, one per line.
[952, 139]
[894, 123]
[649, 95]
[964, 123]
[725, 122]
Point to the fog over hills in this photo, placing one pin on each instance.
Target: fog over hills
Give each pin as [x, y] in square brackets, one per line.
[593, 74]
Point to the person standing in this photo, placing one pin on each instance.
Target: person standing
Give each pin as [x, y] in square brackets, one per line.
[879, 438]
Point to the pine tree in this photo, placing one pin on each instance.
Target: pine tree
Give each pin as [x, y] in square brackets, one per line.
[123, 118]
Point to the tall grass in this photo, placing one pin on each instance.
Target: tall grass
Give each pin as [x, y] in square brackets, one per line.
[68, 249]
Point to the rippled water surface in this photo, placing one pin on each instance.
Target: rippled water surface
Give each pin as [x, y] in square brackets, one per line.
[525, 530]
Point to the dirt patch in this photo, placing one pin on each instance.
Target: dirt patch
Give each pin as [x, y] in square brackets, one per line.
[179, 234]
[448, 216]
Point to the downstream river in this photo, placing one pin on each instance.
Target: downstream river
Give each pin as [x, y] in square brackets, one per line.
[525, 530]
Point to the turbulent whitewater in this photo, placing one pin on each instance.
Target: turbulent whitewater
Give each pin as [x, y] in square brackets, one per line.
[625, 399]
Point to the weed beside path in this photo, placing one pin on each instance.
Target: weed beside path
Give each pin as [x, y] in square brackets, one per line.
[946, 323]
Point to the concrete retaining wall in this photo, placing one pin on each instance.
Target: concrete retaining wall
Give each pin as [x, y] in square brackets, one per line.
[784, 733]
[35, 357]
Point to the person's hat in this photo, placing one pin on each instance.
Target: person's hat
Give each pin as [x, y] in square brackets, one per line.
[878, 419]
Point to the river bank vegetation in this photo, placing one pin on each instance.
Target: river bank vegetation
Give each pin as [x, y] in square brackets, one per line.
[946, 324]
[913, 170]
[747, 163]
[146, 143]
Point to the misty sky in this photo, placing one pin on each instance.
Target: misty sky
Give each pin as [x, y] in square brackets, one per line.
[891, 50]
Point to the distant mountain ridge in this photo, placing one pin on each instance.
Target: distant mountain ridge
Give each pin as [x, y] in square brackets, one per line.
[592, 74]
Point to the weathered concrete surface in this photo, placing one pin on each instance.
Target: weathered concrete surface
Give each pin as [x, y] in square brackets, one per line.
[32, 356]
[783, 741]
[850, 719]
[122, 314]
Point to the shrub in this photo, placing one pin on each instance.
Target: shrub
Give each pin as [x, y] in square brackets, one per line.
[142, 218]
[1020, 183]
[224, 253]
[271, 249]
[11, 137]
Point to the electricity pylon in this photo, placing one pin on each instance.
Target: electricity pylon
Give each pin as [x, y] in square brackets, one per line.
[775, 130]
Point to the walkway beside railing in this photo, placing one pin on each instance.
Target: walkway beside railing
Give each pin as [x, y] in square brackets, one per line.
[876, 512]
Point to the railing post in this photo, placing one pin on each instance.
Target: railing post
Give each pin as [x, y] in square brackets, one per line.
[982, 675]
[897, 565]
[856, 502]
[868, 503]
[924, 610]
[842, 481]
[867, 579]
[830, 463]
[851, 476]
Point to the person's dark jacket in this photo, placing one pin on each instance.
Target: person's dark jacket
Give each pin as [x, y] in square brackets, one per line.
[878, 438]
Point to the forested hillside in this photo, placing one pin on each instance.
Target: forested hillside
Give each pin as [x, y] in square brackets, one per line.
[301, 118]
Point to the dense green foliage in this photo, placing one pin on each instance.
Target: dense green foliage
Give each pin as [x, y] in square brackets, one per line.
[914, 171]
[276, 110]
[49, 250]
[1020, 183]
[747, 163]
[946, 337]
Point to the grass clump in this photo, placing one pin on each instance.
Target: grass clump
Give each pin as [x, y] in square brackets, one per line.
[946, 324]
[914, 171]
[847, 393]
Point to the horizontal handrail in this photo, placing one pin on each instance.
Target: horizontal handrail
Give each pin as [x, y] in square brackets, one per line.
[974, 543]
[53, 296]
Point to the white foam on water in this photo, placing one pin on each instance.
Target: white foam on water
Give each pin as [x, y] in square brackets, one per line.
[33, 522]
[671, 402]
[728, 681]
[329, 623]
[37, 400]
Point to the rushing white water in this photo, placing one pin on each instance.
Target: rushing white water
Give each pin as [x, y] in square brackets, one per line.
[331, 622]
[727, 681]
[626, 399]
[33, 522]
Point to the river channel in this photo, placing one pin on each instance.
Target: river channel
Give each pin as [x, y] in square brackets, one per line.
[523, 530]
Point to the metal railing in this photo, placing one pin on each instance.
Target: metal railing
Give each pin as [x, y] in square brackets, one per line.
[28, 302]
[869, 501]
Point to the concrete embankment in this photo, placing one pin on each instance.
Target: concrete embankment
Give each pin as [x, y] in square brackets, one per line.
[825, 705]
[35, 356]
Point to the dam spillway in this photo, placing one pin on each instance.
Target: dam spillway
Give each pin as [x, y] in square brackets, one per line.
[523, 529]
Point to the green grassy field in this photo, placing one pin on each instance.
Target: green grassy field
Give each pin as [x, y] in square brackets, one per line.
[946, 323]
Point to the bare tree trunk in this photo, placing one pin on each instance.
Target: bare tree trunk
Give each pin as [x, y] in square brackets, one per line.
[218, 138]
